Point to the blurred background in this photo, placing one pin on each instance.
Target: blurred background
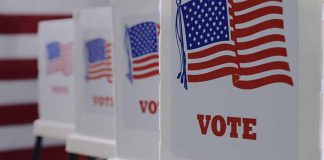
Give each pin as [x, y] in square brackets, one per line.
[18, 73]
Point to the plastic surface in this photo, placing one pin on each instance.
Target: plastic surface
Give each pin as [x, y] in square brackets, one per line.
[302, 131]
[56, 79]
[95, 119]
[137, 132]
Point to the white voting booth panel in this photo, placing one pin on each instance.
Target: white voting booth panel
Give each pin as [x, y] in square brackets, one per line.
[56, 79]
[322, 90]
[240, 79]
[95, 118]
[136, 28]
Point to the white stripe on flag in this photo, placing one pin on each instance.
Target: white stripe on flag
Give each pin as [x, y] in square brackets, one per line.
[18, 46]
[47, 6]
[18, 91]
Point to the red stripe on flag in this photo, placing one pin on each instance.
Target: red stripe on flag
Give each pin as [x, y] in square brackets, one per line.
[18, 69]
[212, 75]
[248, 4]
[260, 41]
[277, 51]
[18, 114]
[263, 68]
[17, 24]
[258, 13]
[253, 84]
[145, 59]
[146, 75]
[101, 76]
[106, 70]
[47, 153]
[146, 67]
[101, 64]
[212, 62]
[211, 51]
[275, 23]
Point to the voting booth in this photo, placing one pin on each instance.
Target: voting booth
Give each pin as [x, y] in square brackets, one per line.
[56, 79]
[95, 117]
[136, 29]
[240, 79]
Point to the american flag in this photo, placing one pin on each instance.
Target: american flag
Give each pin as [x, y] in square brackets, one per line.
[99, 60]
[243, 39]
[143, 50]
[59, 58]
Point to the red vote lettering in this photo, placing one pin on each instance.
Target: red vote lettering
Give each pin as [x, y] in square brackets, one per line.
[218, 130]
[151, 106]
[60, 90]
[234, 122]
[103, 101]
[248, 128]
[203, 126]
[143, 105]
[219, 126]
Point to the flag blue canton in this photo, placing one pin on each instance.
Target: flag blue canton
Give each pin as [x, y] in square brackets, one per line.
[206, 22]
[96, 50]
[143, 39]
[53, 50]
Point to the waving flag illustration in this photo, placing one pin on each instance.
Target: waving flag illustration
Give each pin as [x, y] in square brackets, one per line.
[239, 38]
[99, 60]
[59, 58]
[142, 48]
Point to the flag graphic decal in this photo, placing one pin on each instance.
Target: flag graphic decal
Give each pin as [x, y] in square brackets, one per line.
[243, 39]
[142, 47]
[99, 60]
[59, 58]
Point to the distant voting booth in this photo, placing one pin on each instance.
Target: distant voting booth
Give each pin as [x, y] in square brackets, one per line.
[240, 79]
[56, 78]
[136, 29]
[95, 118]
